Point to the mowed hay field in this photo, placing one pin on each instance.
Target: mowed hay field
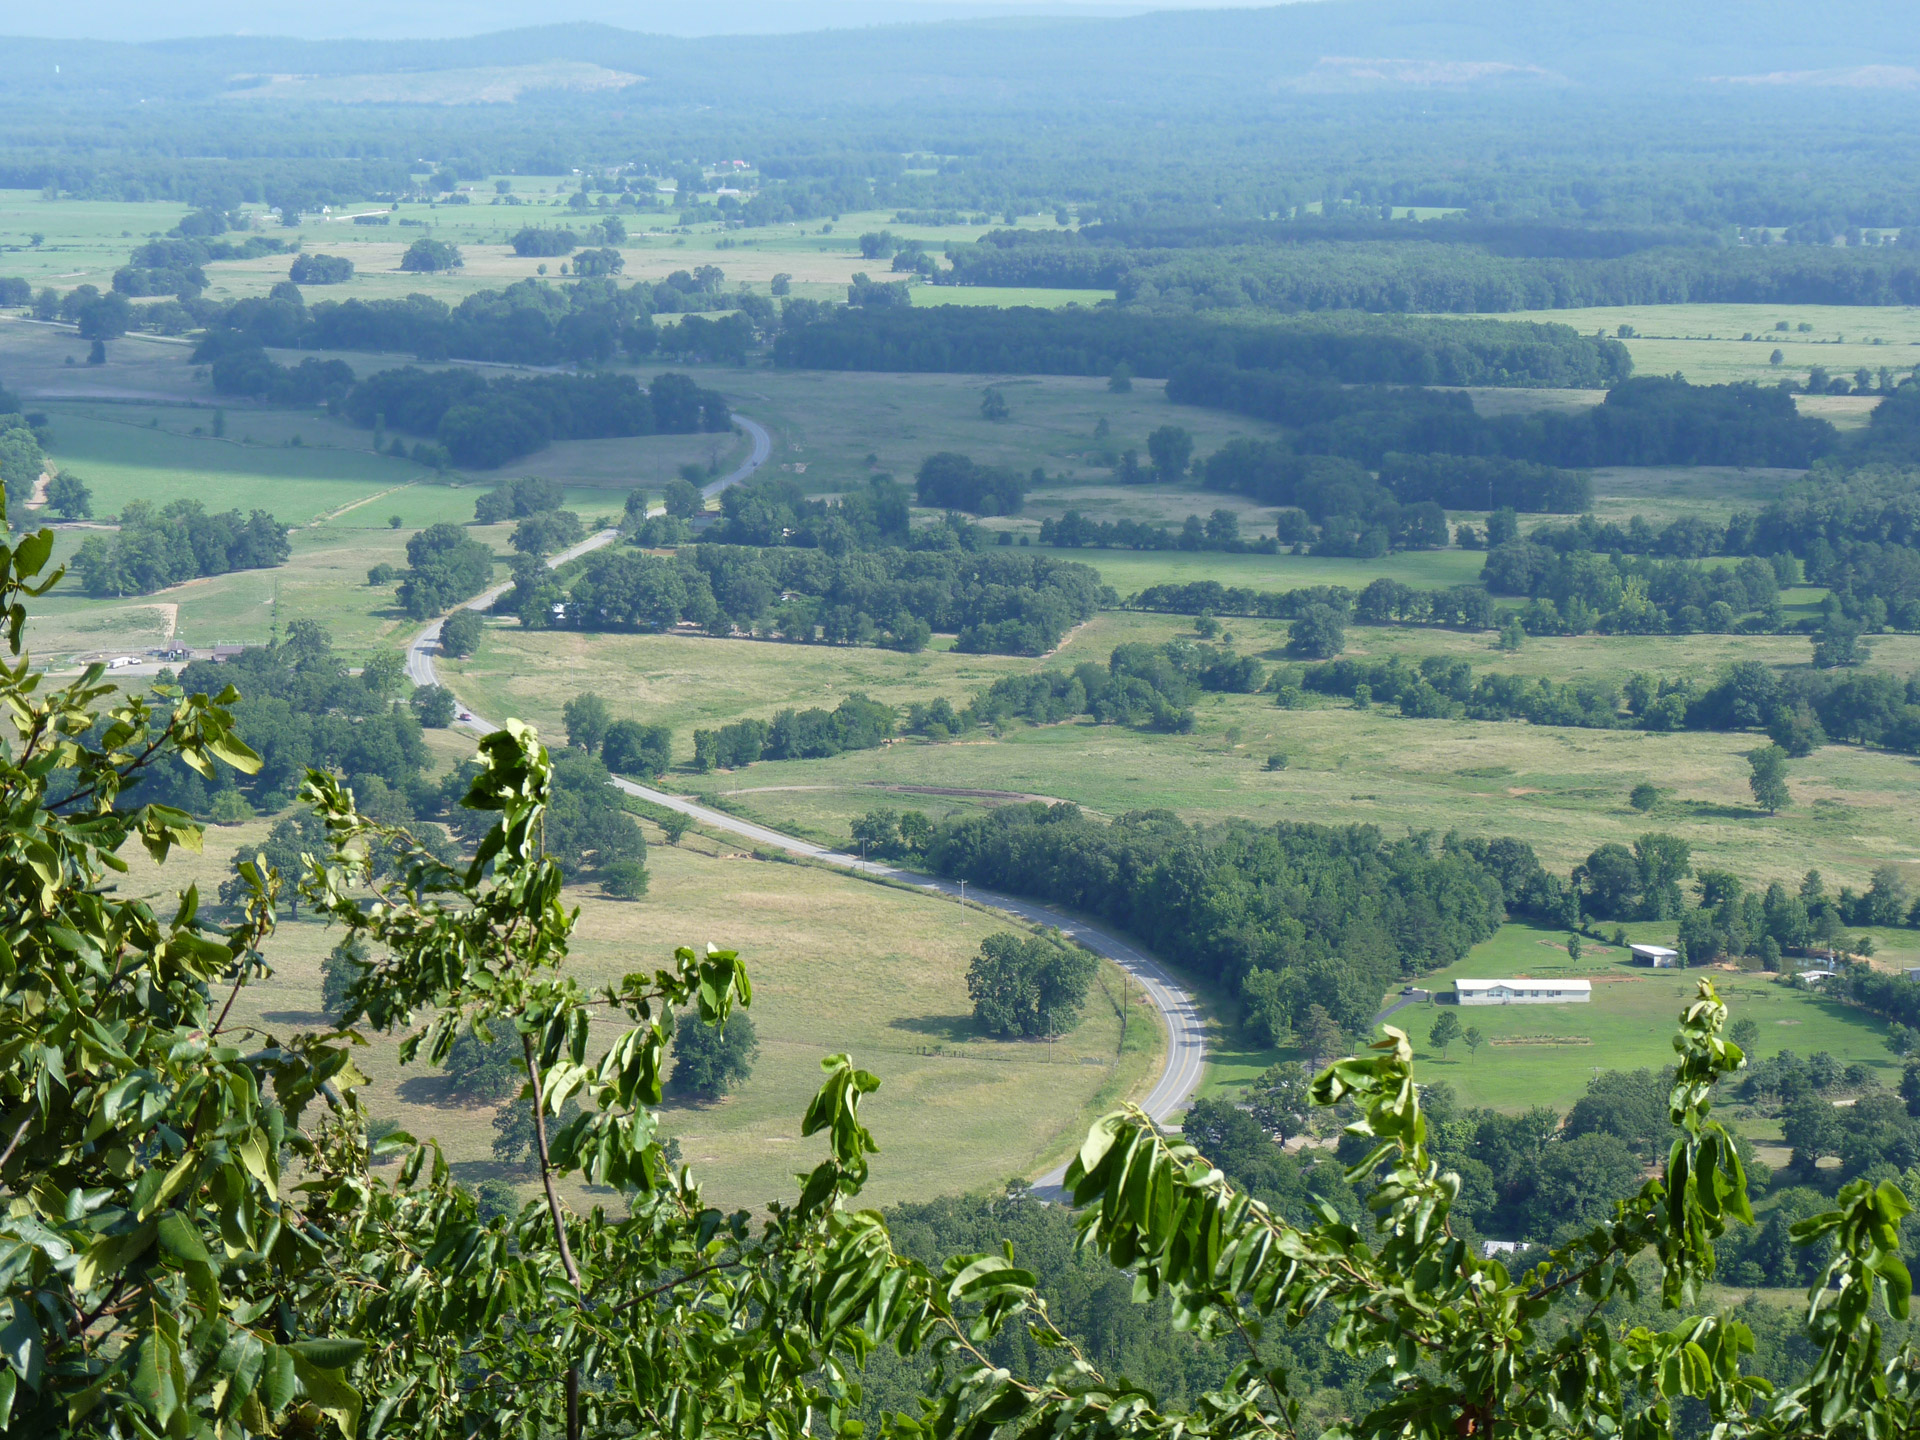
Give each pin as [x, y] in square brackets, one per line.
[837, 964]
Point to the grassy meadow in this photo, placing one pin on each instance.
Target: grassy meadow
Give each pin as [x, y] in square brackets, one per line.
[837, 964]
[1706, 344]
[1546, 1054]
[1562, 790]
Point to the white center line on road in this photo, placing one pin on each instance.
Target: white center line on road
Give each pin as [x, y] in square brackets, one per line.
[1186, 1029]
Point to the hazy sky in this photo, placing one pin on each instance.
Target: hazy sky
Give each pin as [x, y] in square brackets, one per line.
[396, 19]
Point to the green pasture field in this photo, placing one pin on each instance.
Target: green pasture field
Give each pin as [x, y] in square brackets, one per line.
[830, 422]
[1703, 341]
[837, 964]
[1562, 790]
[1546, 1054]
[689, 681]
[1131, 571]
[86, 241]
[149, 385]
[325, 579]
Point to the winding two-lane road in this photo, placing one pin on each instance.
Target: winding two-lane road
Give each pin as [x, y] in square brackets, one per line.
[1186, 1032]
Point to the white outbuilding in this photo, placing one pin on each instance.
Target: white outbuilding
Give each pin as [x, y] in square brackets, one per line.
[1658, 956]
[1522, 992]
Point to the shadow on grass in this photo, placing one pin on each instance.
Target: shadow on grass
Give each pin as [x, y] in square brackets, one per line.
[1707, 810]
[306, 1019]
[949, 1029]
[436, 1090]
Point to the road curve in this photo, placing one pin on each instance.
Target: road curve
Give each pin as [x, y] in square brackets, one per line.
[762, 451]
[420, 649]
[1186, 1029]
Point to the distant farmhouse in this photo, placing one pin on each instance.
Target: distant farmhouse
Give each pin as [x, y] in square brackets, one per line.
[1658, 956]
[1522, 992]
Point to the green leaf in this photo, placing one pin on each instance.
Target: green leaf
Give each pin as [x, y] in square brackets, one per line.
[330, 1394]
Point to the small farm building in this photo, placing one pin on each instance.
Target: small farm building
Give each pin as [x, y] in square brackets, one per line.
[1522, 992]
[1658, 956]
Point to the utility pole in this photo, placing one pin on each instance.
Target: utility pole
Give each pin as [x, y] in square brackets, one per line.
[963, 894]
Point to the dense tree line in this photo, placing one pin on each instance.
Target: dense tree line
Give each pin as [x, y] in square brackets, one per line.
[1419, 276]
[1796, 708]
[1463, 607]
[856, 723]
[302, 706]
[530, 322]
[1480, 482]
[159, 546]
[1355, 514]
[485, 423]
[1577, 591]
[1219, 531]
[1651, 420]
[1351, 349]
[956, 482]
[1286, 917]
[996, 602]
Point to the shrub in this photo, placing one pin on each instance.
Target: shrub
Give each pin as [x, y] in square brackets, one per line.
[624, 879]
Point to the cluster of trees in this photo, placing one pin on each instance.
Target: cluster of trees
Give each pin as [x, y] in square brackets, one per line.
[1219, 531]
[22, 461]
[1029, 988]
[856, 723]
[1537, 1176]
[485, 423]
[446, 565]
[776, 510]
[1351, 349]
[1649, 420]
[627, 747]
[241, 368]
[1285, 917]
[1733, 921]
[1573, 592]
[1460, 607]
[1469, 266]
[1355, 513]
[302, 706]
[530, 322]
[320, 270]
[997, 603]
[1425, 279]
[589, 832]
[1481, 482]
[158, 546]
[956, 482]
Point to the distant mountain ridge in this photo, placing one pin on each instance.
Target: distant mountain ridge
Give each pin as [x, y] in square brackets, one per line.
[1214, 54]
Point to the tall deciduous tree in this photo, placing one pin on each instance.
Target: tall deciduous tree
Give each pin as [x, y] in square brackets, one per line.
[1769, 778]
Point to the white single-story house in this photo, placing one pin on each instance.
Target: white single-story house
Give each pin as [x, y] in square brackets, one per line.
[1658, 956]
[1522, 992]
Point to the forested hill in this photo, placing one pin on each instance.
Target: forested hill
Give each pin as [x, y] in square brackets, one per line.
[1236, 51]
